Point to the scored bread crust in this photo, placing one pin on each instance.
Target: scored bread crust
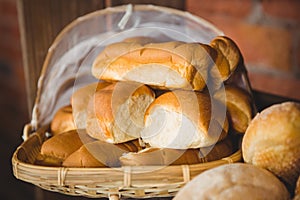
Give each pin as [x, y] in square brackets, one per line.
[115, 113]
[193, 110]
[100, 154]
[80, 99]
[181, 65]
[59, 147]
[228, 56]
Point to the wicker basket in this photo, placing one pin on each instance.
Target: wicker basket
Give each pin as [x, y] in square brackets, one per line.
[134, 182]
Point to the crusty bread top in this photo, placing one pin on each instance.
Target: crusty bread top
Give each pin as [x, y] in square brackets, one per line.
[196, 106]
[184, 65]
[80, 99]
[231, 55]
[239, 106]
[115, 113]
[184, 119]
[234, 181]
[272, 141]
[62, 120]
[277, 125]
[100, 154]
[62, 145]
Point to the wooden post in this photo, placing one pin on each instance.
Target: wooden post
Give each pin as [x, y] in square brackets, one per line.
[40, 21]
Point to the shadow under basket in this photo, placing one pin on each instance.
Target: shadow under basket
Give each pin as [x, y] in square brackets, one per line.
[125, 182]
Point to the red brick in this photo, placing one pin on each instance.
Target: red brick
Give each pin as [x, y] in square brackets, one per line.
[297, 54]
[265, 45]
[8, 8]
[288, 9]
[278, 85]
[235, 8]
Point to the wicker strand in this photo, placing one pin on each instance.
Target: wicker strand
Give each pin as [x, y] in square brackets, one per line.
[186, 173]
[16, 171]
[127, 176]
[26, 131]
[228, 159]
[61, 175]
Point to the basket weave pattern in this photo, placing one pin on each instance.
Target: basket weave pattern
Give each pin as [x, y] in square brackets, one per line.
[129, 181]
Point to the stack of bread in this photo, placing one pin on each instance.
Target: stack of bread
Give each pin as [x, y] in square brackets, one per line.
[155, 104]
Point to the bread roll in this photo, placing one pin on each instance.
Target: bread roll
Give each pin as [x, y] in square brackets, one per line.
[234, 181]
[62, 121]
[183, 120]
[115, 113]
[228, 57]
[57, 148]
[80, 99]
[239, 107]
[100, 154]
[180, 65]
[272, 141]
[163, 156]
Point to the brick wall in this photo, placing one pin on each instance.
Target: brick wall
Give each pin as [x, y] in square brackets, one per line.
[268, 34]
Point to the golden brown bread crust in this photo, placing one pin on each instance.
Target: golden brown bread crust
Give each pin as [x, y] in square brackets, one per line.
[234, 181]
[100, 154]
[142, 40]
[272, 141]
[80, 99]
[115, 113]
[181, 65]
[163, 156]
[62, 121]
[189, 107]
[228, 56]
[57, 148]
[239, 107]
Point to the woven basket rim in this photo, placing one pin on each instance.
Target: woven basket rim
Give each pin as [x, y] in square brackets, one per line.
[124, 181]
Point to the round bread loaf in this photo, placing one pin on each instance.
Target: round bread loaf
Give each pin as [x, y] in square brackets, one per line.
[163, 156]
[116, 112]
[80, 99]
[184, 119]
[57, 148]
[234, 181]
[239, 107]
[272, 141]
[62, 120]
